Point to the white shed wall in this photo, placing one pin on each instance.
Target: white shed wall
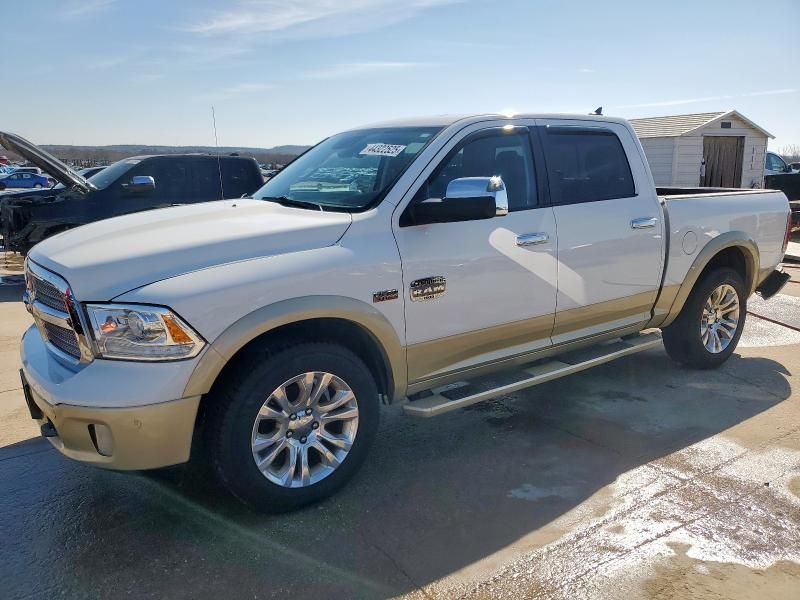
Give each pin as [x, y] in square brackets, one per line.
[659, 153]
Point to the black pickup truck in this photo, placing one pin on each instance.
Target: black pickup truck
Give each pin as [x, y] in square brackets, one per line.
[130, 185]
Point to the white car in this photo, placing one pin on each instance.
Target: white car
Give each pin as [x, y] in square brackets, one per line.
[397, 263]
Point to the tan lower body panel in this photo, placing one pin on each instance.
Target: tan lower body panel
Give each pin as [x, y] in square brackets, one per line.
[602, 316]
[447, 359]
[433, 358]
[459, 352]
[142, 437]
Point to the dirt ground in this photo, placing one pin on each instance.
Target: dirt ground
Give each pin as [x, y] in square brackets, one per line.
[637, 479]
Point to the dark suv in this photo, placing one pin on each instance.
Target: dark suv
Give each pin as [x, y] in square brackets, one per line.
[130, 185]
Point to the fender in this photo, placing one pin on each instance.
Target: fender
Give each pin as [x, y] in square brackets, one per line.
[673, 298]
[269, 317]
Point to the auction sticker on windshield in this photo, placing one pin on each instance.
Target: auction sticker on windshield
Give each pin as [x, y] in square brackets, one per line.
[382, 150]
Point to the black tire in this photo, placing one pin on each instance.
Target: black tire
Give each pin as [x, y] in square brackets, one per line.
[237, 400]
[682, 338]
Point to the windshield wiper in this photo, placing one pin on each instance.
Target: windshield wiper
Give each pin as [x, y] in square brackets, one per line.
[286, 201]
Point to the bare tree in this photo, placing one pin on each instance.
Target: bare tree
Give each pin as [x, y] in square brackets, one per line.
[790, 152]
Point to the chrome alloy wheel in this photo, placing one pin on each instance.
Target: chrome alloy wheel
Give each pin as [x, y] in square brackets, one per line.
[305, 429]
[720, 319]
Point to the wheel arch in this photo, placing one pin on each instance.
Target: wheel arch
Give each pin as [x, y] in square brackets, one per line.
[367, 332]
[734, 249]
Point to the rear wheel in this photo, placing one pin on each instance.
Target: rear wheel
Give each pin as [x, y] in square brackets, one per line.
[710, 324]
[291, 428]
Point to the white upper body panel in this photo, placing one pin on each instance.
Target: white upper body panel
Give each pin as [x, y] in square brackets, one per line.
[697, 219]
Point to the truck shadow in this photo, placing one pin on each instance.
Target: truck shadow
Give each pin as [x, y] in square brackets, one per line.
[438, 495]
[434, 497]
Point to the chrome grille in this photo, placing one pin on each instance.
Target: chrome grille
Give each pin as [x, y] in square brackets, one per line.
[48, 298]
[46, 293]
[63, 339]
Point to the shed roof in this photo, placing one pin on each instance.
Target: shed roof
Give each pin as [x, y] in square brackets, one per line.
[677, 125]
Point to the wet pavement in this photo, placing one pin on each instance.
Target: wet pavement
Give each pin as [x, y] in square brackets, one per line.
[637, 479]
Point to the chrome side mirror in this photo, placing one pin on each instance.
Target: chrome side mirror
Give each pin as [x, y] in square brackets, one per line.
[466, 199]
[141, 184]
[480, 187]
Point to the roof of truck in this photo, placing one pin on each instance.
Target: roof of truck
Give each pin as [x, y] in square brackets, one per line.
[447, 120]
[188, 155]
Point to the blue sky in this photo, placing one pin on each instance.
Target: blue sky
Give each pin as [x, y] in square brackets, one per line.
[294, 71]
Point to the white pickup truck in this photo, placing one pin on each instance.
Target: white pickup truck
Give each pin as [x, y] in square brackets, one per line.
[402, 262]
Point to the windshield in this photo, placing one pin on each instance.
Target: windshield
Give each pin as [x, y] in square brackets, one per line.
[82, 173]
[349, 171]
[110, 174]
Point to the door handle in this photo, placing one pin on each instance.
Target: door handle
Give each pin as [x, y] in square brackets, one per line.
[532, 239]
[644, 223]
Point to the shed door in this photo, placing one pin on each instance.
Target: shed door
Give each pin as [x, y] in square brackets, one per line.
[724, 156]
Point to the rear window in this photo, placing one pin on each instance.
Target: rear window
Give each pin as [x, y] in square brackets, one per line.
[586, 165]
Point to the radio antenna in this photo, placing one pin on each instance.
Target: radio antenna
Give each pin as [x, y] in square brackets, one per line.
[219, 162]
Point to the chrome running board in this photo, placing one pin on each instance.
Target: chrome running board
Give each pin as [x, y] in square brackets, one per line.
[446, 398]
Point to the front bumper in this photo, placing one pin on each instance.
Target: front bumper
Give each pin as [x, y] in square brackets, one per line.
[113, 414]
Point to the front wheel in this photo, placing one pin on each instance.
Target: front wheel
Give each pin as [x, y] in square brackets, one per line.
[290, 428]
[710, 324]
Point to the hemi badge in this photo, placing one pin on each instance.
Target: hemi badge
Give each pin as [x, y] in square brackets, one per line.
[385, 295]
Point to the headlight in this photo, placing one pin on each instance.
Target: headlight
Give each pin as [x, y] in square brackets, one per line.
[138, 332]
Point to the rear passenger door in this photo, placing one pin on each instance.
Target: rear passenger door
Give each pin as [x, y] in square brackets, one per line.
[610, 230]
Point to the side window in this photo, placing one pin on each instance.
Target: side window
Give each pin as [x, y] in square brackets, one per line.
[775, 163]
[206, 180]
[237, 178]
[170, 175]
[487, 155]
[586, 165]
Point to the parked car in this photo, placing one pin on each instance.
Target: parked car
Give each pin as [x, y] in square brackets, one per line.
[795, 167]
[384, 265]
[780, 176]
[33, 170]
[775, 165]
[23, 179]
[130, 185]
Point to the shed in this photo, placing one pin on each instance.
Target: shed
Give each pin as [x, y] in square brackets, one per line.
[717, 149]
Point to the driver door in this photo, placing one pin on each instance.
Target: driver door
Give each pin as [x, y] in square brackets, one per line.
[494, 279]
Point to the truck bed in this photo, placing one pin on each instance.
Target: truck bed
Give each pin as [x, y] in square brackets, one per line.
[669, 192]
[705, 191]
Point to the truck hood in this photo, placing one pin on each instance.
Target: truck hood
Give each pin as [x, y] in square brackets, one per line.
[44, 160]
[105, 259]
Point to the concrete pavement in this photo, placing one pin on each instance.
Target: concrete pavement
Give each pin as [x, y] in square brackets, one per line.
[636, 479]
